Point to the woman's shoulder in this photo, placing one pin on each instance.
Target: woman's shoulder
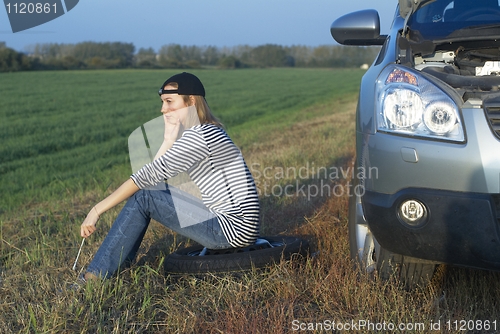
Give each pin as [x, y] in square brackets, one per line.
[212, 133]
[209, 128]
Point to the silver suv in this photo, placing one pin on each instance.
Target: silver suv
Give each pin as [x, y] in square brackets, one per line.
[427, 139]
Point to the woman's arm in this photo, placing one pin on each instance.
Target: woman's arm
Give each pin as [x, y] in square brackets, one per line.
[127, 189]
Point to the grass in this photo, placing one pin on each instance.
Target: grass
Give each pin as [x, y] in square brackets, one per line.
[284, 146]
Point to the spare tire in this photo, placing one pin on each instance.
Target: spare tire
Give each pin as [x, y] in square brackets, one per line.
[267, 250]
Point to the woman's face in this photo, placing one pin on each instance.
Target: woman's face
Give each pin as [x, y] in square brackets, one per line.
[173, 106]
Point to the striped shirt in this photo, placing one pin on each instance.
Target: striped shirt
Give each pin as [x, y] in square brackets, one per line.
[216, 166]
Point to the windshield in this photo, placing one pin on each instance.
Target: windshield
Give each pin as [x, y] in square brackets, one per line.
[442, 19]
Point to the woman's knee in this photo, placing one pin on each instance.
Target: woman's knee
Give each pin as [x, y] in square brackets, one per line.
[154, 203]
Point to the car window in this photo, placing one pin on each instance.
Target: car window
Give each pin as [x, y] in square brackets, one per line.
[441, 18]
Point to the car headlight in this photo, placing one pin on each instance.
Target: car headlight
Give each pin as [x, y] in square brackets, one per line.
[411, 105]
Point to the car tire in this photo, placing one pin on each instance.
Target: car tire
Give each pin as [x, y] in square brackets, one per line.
[410, 272]
[189, 261]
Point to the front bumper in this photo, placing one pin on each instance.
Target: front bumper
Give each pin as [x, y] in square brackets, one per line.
[461, 228]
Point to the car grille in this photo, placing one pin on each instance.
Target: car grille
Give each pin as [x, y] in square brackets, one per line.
[492, 111]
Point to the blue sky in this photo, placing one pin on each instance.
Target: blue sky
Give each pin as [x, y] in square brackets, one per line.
[153, 23]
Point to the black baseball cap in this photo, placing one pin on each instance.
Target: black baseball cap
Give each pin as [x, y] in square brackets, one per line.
[188, 84]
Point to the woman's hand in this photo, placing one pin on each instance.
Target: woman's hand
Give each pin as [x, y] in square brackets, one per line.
[127, 189]
[172, 126]
[88, 225]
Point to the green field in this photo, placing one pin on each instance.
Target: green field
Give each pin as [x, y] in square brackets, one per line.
[64, 147]
[66, 131]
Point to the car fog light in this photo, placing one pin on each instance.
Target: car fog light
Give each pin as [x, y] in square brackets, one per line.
[412, 213]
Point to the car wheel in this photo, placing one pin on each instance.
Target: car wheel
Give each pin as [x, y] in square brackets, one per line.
[370, 257]
[361, 241]
[266, 251]
[410, 272]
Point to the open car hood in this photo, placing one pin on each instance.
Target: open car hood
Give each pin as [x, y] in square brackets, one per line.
[410, 6]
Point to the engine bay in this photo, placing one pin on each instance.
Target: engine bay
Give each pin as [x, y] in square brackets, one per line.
[473, 72]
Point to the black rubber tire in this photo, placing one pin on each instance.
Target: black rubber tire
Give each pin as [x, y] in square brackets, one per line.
[409, 272]
[235, 259]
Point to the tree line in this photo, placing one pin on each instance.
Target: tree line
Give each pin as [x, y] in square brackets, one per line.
[112, 55]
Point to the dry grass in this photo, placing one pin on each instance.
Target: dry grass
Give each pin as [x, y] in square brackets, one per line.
[38, 250]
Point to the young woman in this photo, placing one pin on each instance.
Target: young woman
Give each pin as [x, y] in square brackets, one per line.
[194, 142]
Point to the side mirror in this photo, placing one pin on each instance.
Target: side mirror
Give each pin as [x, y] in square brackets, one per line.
[358, 28]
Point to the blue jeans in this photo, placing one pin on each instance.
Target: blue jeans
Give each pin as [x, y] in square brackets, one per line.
[188, 217]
